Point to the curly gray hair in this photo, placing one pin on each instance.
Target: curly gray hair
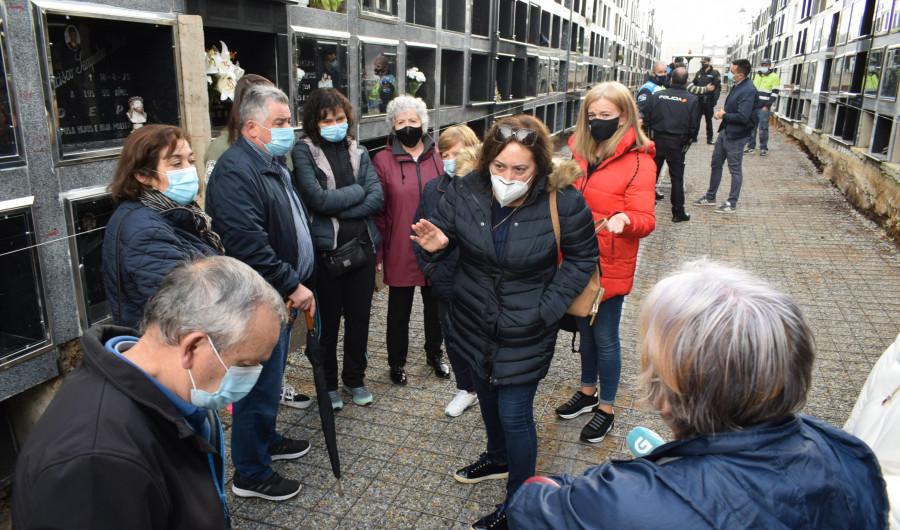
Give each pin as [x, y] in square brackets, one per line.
[401, 104]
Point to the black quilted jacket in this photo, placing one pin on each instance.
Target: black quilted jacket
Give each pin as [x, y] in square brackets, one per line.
[504, 317]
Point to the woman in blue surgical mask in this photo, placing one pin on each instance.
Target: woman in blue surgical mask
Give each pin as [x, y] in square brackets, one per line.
[458, 146]
[508, 292]
[157, 224]
[335, 178]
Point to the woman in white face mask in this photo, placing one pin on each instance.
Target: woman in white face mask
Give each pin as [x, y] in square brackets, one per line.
[508, 294]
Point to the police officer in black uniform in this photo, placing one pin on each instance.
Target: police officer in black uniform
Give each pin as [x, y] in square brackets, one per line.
[707, 75]
[673, 117]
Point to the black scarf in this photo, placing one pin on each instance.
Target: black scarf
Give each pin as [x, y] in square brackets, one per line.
[154, 199]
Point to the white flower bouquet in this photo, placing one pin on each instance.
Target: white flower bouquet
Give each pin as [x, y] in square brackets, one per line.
[221, 66]
[414, 80]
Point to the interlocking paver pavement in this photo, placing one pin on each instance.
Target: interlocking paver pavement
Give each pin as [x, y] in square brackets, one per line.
[792, 227]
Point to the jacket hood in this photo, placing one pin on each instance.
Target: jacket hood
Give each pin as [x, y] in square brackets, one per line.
[564, 172]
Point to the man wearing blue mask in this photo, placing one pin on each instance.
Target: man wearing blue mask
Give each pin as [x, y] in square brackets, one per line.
[263, 223]
[132, 439]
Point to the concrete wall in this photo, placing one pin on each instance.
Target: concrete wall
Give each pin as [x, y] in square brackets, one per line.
[872, 185]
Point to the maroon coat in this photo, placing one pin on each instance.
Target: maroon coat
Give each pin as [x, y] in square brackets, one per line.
[403, 182]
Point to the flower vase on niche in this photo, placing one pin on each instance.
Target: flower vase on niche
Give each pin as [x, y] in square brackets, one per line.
[136, 114]
[221, 66]
[414, 81]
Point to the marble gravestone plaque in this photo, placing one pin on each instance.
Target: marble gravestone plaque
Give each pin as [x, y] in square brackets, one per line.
[98, 67]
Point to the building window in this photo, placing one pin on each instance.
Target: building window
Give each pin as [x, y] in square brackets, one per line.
[23, 313]
[891, 74]
[379, 77]
[872, 76]
[423, 60]
[382, 7]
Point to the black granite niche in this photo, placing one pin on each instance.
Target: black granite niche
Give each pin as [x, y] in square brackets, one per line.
[319, 63]
[87, 214]
[23, 317]
[97, 66]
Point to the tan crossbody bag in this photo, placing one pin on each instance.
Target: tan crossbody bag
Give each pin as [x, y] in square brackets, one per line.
[588, 302]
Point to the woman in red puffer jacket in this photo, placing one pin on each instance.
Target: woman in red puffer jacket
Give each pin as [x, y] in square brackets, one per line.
[617, 159]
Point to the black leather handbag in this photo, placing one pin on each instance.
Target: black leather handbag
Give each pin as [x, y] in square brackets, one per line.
[347, 257]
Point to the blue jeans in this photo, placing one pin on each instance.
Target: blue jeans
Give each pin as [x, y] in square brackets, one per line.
[733, 151]
[253, 421]
[763, 131]
[508, 414]
[461, 370]
[601, 350]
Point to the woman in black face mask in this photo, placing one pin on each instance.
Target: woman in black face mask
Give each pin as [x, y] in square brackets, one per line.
[410, 160]
[619, 184]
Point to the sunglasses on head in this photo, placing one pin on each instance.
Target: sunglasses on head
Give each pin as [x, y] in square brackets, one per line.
[526, 137]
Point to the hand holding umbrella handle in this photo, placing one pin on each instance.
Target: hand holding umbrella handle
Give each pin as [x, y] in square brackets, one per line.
[309, 320]
[290, 305]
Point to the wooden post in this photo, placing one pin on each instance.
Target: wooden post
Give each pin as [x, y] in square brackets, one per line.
[194, 92]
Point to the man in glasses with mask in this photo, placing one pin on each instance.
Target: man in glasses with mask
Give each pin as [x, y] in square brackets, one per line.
[263, 223]
[132, 439]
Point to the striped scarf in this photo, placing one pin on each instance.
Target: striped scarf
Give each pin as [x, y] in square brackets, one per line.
[155, 200]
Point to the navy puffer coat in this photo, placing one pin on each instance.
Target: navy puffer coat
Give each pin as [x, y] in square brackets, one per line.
[150, 244]
[505, 315]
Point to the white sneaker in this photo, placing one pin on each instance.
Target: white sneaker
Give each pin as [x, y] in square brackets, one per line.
[291, 398]
[460, 403]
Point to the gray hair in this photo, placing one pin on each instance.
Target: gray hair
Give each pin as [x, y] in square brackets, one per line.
[215, 295]
[405, 103]
[255, 101]
[723, 349]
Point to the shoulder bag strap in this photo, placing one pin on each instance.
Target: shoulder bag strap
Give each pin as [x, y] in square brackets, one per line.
[554, 217]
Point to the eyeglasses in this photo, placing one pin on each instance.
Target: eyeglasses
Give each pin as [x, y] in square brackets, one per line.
[526, 137]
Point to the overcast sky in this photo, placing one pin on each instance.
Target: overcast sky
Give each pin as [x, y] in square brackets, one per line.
[708, 20]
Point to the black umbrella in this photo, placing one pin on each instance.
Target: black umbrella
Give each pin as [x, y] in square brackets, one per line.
[316, 355]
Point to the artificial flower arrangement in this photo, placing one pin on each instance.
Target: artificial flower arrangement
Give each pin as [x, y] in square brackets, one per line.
[221, 66]
[414, 80]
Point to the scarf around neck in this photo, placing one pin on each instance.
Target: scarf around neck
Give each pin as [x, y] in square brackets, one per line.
[155, 200]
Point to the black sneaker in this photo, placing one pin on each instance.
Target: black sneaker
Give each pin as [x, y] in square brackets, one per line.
[577, 405]
[495, 520]
[596, 429]
[289, 449]
[482, 469]
[274, 488]
[660, 196]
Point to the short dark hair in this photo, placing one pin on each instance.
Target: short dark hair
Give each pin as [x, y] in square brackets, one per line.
[542, 150]
[316, 107]
[743, 66]
[246, 82]
[679, 76]
[679, 59]
[140, 155]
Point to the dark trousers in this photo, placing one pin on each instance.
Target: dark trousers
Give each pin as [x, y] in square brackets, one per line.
[350, 295]
[461, 371]
[508, 414]
[400, 301]
[668, 150]
[707, 109]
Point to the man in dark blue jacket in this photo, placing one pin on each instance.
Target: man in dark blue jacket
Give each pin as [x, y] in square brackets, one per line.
[132, 439]
[738, 123]
[262, 222]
